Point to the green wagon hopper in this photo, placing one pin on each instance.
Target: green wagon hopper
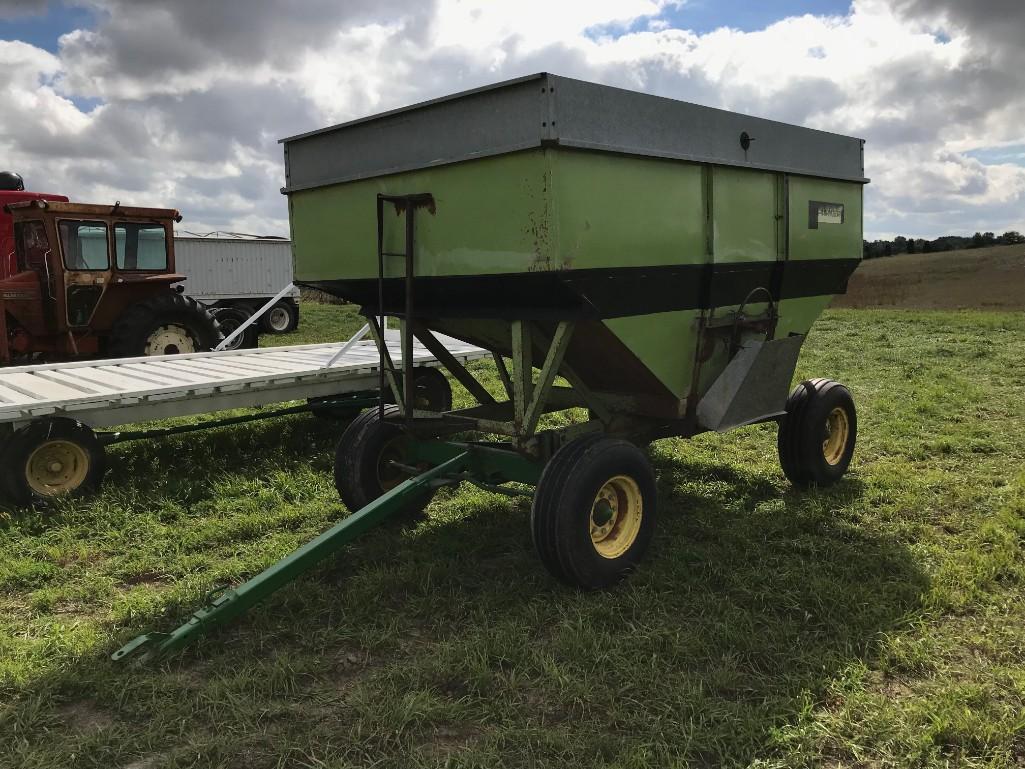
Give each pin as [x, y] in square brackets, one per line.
[665, 260]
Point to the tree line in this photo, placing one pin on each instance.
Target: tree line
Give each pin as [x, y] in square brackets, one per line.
[902, 245]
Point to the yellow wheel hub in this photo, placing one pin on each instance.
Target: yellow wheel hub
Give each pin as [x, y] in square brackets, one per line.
[170, 340]
[838, 429]
[57, 467]
[615, 519]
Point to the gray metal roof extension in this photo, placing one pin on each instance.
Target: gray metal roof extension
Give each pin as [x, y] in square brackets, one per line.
[546, 109]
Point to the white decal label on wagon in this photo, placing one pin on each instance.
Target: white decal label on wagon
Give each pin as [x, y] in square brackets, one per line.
[830, 214]
[820, 212]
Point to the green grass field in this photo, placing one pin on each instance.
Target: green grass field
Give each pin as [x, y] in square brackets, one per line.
[879, 623]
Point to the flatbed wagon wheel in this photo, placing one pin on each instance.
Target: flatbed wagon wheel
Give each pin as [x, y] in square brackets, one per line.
[363, 462]
[817, 435]
[594, 511]
[53, 458]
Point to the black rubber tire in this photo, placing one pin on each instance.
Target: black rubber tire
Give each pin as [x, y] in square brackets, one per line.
[290, 308]
[804, 429]
[358, 462]
[131, 332]
[25, 442]
[6, 466]
[229, 319]
[562, 509]
[433, 391]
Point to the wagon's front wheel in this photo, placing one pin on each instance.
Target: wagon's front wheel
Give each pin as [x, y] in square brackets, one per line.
[594, 511]
[817, 435]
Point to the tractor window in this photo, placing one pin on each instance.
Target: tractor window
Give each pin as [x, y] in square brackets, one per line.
[31, 245]
[84, 245]
[140, 246]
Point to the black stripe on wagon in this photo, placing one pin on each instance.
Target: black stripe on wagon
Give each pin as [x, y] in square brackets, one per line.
[600, 292]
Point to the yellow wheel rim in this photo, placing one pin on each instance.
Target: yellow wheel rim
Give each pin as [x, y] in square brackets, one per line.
[170, 340]
[56, 468]
[837, 431]
[615, 519]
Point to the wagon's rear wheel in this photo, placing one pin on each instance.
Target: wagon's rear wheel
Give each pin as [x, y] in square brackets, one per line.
[433, 392]
[594, 511]
[817, 435]
[50, 459]
[364, 462]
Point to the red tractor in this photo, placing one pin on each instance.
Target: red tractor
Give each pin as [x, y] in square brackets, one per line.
[79, 280]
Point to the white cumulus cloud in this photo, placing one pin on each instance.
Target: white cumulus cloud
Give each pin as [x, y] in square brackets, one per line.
[181, 103]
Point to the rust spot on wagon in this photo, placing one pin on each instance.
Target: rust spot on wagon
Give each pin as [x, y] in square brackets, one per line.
[539, 230]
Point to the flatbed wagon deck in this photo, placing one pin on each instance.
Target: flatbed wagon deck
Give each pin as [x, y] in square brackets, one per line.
[102, 393]
[75, 397]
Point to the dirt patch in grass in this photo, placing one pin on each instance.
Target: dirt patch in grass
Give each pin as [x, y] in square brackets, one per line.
[446, 740]
[147, 762]
[85, 717]
[348, 667]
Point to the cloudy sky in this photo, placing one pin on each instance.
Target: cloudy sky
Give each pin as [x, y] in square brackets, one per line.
[182, 103]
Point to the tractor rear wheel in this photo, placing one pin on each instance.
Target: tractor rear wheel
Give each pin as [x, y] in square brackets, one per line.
[817, 435]
[594, 511]
[167, 324]
[52, 458]
[363, 462]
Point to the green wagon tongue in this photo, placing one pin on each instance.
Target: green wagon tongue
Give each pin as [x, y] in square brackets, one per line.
[455, 462]
[224, 605]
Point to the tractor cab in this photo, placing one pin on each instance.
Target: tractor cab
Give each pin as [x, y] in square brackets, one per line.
[78, 268]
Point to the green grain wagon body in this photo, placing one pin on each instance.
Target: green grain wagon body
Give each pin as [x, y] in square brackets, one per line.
[646, 220]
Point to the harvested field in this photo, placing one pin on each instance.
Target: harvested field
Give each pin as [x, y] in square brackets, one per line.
[983, 278]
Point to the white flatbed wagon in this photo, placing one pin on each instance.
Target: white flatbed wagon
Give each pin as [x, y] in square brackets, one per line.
[48, 412]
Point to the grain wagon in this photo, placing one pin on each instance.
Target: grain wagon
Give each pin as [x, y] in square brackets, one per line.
[656, 263]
